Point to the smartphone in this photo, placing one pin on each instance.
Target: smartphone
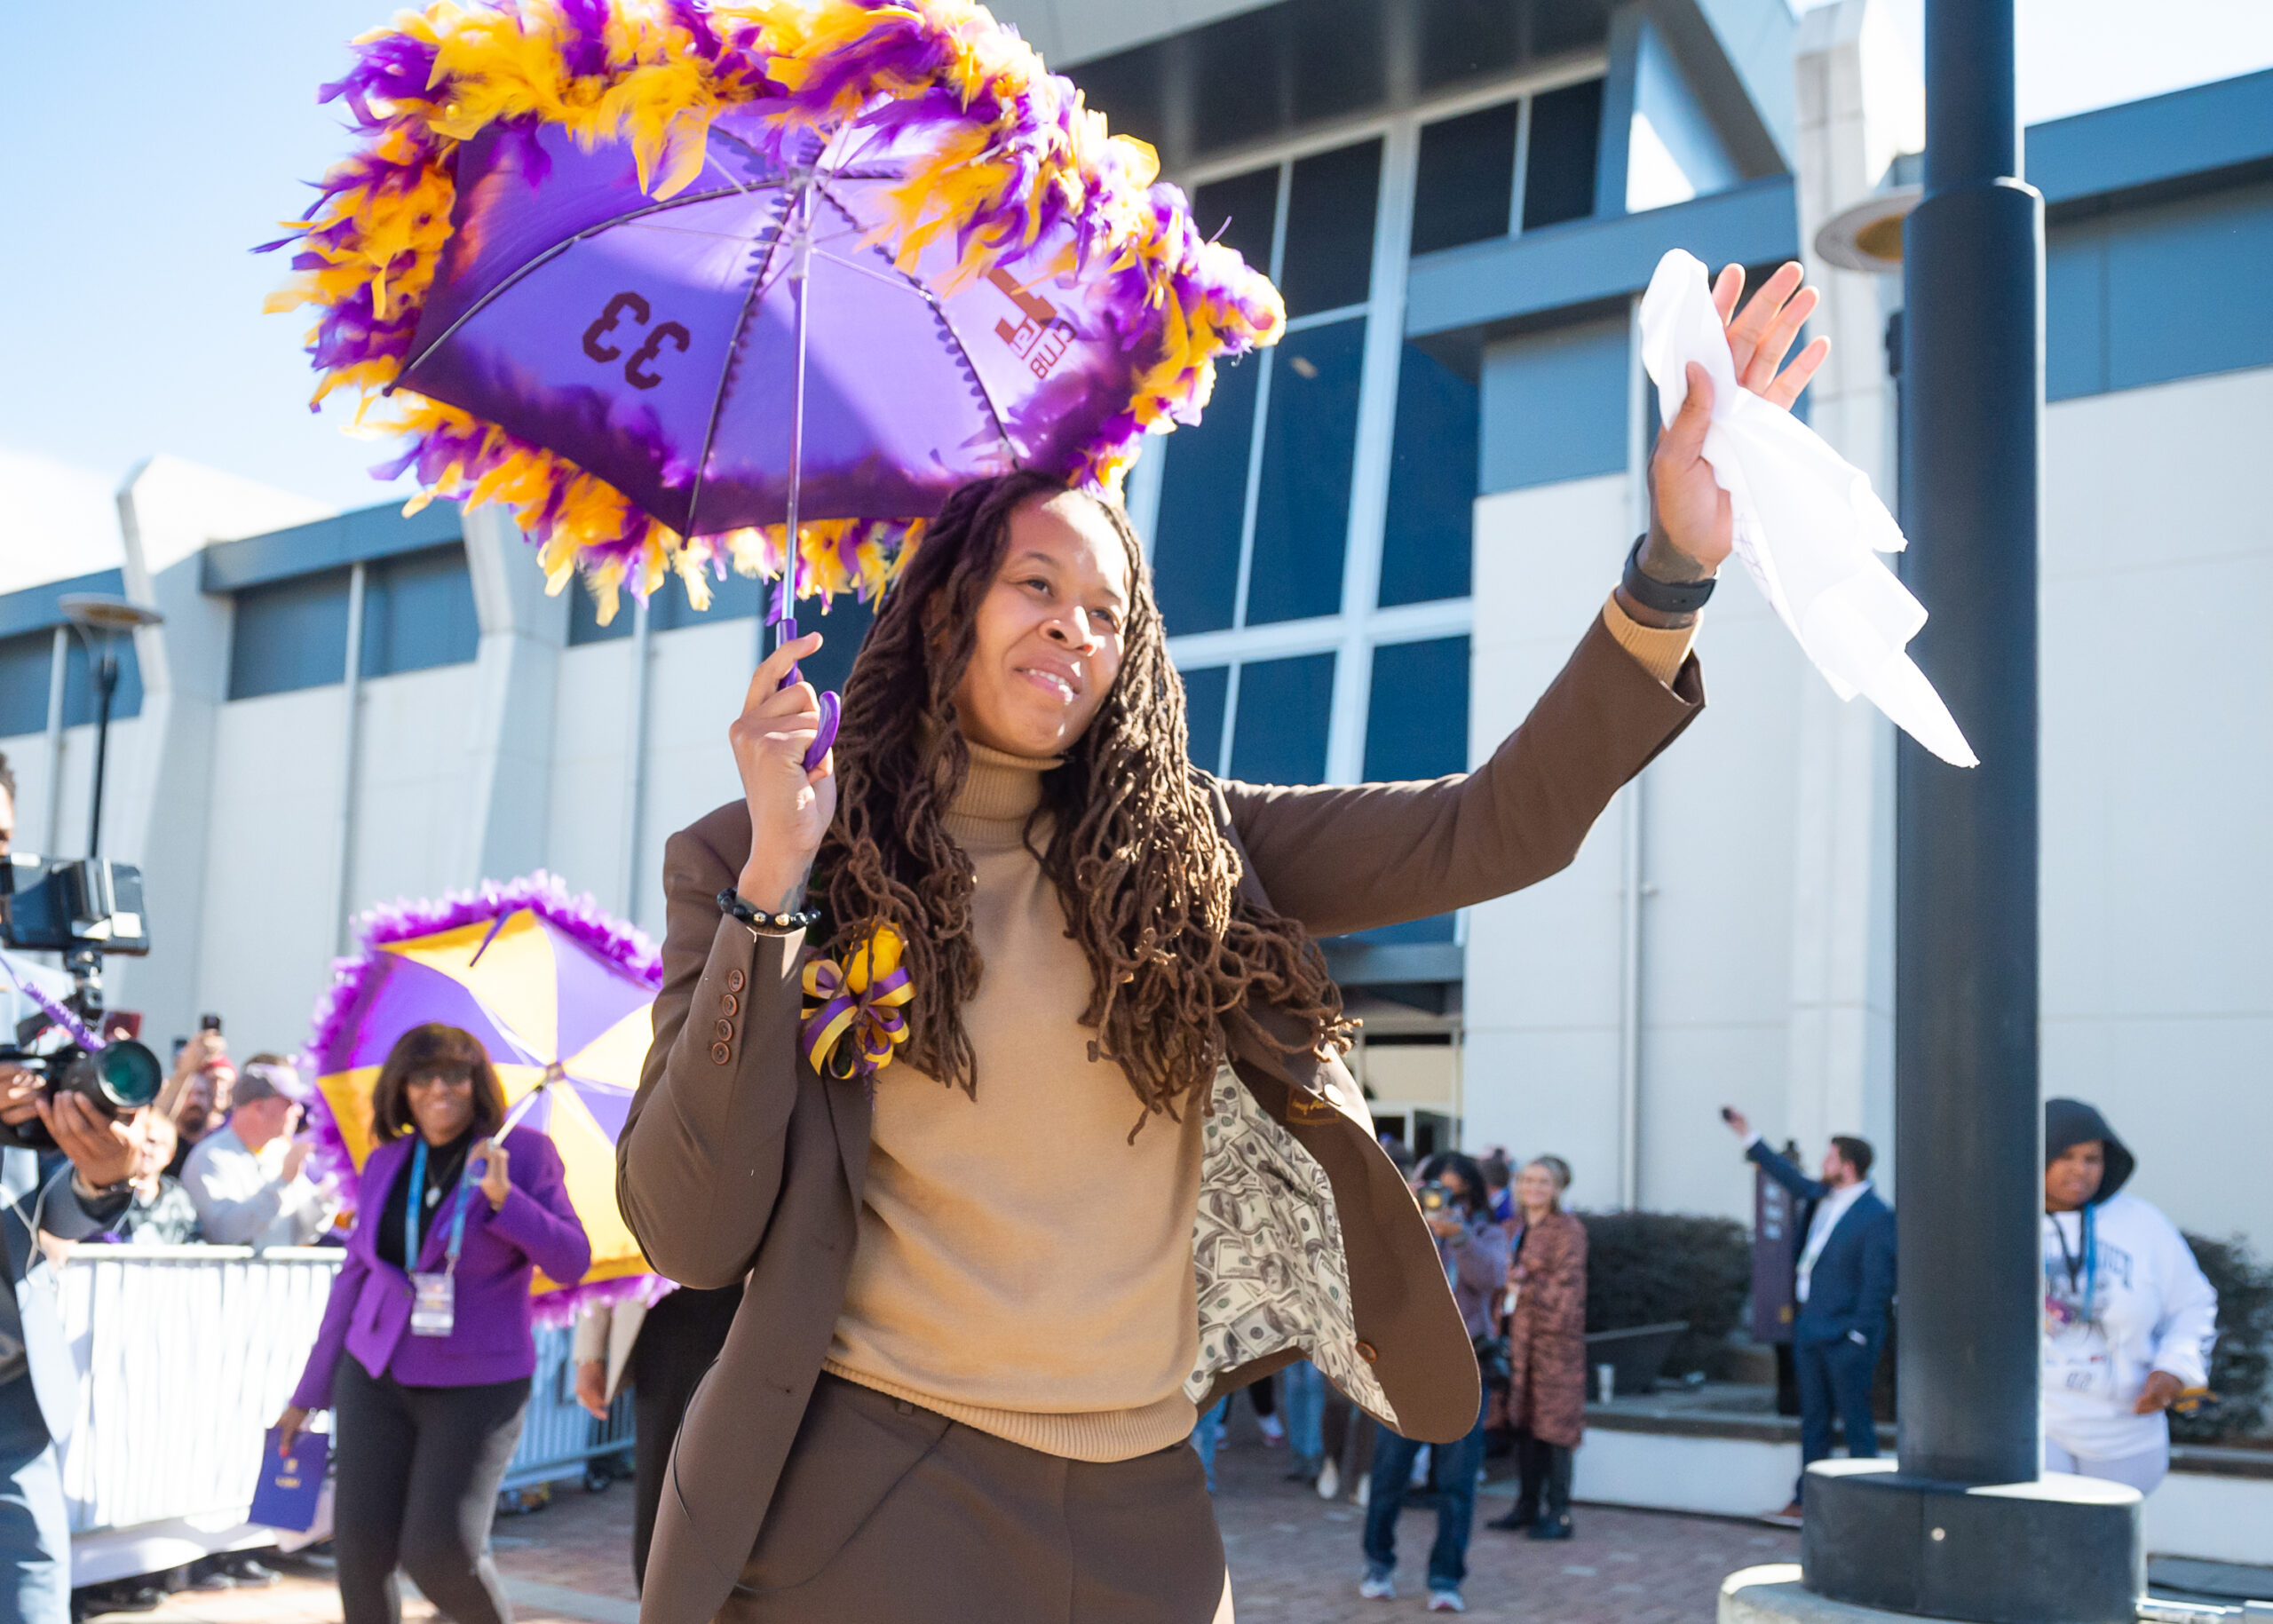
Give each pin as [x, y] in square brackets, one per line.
[209, 1023]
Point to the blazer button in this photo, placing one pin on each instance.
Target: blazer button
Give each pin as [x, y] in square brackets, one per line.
[730, 1005]
[736, 981]
[721, 1053]
[1369, 1353]
[726, 1030]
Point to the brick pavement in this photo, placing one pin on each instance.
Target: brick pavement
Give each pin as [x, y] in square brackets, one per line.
[1295, 1560]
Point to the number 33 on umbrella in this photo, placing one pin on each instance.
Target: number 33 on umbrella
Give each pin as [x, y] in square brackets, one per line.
[636, 370]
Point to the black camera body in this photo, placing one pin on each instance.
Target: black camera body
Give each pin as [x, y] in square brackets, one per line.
[82, 907]
[67, 904]
[1434, 1197]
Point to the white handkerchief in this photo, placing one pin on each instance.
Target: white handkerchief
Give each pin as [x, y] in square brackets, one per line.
[1807, 525]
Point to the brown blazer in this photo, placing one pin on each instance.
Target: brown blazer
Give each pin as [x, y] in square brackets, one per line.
[738, 1160]
[1546, 1335]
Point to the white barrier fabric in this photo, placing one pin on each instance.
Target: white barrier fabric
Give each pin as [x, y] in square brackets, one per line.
[186, 1355]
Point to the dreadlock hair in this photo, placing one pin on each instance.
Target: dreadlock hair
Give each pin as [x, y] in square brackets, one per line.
[1149, 882]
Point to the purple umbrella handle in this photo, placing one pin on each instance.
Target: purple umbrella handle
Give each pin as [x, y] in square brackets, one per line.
[832, 710]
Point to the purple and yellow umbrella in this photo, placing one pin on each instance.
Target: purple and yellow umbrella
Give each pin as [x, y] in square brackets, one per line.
[559, 996]
[680, 280]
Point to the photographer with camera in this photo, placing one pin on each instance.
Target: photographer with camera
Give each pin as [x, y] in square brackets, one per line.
[249, 1180]
[38, 1382]
[1456, 1205]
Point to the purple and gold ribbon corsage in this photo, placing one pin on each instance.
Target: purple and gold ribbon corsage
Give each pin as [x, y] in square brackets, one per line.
[855, 1014]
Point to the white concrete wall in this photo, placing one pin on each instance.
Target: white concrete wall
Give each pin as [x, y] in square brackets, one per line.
[2157, 775]
[266, 936]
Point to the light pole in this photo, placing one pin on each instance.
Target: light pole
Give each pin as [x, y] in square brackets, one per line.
[1966, 1525]
[99, 619]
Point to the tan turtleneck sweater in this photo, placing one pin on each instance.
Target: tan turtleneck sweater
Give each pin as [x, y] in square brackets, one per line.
[1022, 1267]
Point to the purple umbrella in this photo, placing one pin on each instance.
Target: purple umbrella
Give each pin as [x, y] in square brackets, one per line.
[733, 271]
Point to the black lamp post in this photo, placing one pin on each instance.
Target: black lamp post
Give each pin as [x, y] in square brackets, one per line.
[99, 619]
[1965, 1526]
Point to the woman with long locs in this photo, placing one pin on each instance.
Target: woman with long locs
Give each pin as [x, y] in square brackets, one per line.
[1112, 1165]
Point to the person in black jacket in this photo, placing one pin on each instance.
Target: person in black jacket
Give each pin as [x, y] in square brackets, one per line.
[1845, 1286]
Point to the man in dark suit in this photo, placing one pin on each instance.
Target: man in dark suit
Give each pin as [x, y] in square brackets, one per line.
[1845, 1286]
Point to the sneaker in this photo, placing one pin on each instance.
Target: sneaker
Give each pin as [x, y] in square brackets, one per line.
[1274, 1430]
[1446, 1601]
[1377, 1587]
[1329, 1480]
[1363, 1495]
[1789, 1517]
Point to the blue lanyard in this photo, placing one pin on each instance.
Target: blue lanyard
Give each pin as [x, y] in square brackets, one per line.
[2088, 1263]
[418, 1199]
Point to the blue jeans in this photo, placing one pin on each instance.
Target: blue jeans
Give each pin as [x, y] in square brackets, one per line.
[1210, 1433]
[1305, 1396]
[1456, 1469]
[1834, 1380]
[35, 1528]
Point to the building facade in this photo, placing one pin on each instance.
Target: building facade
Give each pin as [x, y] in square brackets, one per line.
[1372, 555]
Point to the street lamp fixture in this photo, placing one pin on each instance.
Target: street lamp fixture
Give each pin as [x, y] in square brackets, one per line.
[1868, 236]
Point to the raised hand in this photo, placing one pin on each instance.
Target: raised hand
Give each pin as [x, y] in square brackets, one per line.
[789, 807]
[1692, 528]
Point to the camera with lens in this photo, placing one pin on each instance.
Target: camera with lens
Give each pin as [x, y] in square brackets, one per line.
[82, 908]
[1434, 1197]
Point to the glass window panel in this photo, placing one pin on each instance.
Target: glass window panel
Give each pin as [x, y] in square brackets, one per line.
[1565, 139]
[418, 613]
[79, 697]
[1284, 705]
[1329, 259]
[289, 634]
[1245, 209]
[1203, 505]
[1417, 727]
[584, 617]
[1416, 716]
[1428, 532]
[26, 661]
[1204, 693]
[842, 628]
[1463, 190]
[1302, 519]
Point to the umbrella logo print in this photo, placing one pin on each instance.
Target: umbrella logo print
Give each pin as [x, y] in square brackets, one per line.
[635, 370]
[1042, 338]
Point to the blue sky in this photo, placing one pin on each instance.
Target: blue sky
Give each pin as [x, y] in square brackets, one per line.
[149, 145]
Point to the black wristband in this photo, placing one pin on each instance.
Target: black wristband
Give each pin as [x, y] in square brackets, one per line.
[1665, 597]
[730, 904]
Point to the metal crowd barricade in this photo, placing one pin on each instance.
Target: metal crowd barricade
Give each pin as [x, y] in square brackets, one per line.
[186, 1355]
[561, 1439]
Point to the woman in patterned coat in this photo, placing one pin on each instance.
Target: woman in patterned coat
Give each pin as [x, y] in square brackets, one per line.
[1547, 1349]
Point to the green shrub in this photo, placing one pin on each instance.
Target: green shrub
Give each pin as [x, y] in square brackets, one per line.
[1644, 1268]
[2244, 1356]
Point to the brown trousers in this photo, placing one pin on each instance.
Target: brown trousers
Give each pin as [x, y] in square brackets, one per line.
[887, 1510]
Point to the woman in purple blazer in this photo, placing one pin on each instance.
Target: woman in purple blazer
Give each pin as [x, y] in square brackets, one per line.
[426, 1352]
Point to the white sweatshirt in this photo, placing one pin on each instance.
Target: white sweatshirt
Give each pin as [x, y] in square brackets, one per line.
[2149, 1308]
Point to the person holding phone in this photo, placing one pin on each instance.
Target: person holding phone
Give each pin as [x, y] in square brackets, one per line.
[425, 1351]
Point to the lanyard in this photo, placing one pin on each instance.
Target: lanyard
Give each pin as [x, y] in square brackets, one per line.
[2084, 1262]
[418, 1199]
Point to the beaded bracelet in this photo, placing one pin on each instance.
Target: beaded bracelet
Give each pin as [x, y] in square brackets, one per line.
[729, 903]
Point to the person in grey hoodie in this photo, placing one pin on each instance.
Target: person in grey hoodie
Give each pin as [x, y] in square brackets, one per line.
[2128, 1316]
